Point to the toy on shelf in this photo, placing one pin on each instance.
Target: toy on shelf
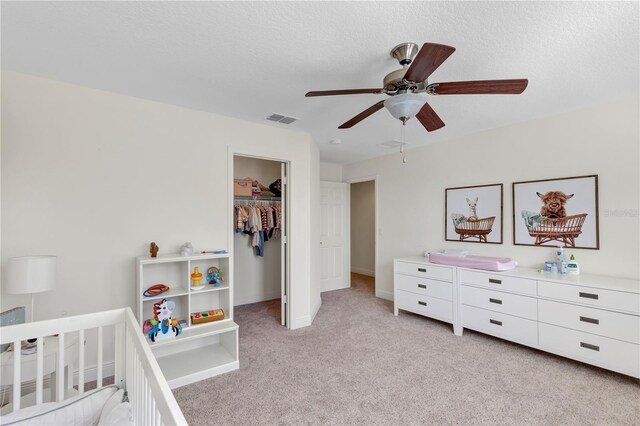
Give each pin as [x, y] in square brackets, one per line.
[165, 326]
[186, 249]
[155, 290]
[196, 277]
[215, 276]
[153, 249]
[207, 316]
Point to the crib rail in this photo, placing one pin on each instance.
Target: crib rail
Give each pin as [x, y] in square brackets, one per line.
[135, 368]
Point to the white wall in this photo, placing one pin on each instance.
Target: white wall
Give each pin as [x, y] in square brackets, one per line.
[93, 177]
[256, 278]
[599, 140]
[316, 286]
[363, 228]
[331, 172]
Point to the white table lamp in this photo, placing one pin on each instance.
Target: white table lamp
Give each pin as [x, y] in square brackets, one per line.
[30, 275]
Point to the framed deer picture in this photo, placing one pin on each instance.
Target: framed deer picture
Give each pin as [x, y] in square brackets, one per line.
[474, 214]
[555, 212]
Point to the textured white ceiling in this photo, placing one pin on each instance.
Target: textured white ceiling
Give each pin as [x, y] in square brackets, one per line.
[250, 59]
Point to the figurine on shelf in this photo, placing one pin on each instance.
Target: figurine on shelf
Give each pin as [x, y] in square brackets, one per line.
[186, 249]
[153, 249]
[214, 276]
[165, 326]
[196, 277]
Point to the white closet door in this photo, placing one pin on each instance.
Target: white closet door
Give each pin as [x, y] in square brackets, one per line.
[334, 236]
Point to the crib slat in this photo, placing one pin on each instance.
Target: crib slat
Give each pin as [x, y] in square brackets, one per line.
[99, 377]
[60, 369]
[17, 384]
[81, 361]
[119, 357]
[39, 369]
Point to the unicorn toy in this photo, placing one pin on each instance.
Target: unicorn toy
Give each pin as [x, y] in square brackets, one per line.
[164, 327]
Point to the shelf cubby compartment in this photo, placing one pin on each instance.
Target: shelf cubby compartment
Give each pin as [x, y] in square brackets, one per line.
[210, 300]
[181, 311]
[198, 353]
[171, 274]
[204, 265]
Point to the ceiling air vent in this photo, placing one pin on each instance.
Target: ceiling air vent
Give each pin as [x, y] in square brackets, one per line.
[392, 144]
[281, 118]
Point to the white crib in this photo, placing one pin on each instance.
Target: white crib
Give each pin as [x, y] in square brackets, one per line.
[135, 368]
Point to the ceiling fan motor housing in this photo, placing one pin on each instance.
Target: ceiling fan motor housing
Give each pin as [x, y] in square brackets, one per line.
[404, 52]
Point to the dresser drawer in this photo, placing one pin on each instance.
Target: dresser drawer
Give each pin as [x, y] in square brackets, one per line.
[601, 298]
[608, 353]
[425, 286]
[424, 271]
[425, 305]
[505, 326]
[603, 323]
[499, 282]
[507, 303]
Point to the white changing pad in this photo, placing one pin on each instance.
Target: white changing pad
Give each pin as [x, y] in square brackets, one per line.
[487, 263]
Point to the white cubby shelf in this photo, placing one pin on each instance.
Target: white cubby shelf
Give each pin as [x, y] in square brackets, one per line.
[201, 350]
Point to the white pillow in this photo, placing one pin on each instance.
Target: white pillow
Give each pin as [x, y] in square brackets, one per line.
[83, 409]
[116, 412]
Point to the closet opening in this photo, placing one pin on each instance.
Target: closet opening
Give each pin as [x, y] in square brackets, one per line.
[363, 235]
[260, 238]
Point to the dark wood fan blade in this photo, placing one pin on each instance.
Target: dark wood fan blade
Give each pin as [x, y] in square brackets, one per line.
[429, 119]
[364, 114]
[341, 92]
[428, 59]
[481, 87]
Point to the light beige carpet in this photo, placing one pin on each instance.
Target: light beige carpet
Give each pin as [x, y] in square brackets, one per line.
[358, 364]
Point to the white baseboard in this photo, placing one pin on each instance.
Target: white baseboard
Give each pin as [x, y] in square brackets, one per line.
[382, 294]
[255, 298]
[316, 308]
[363, 271]
[90, 374]
[301, 322]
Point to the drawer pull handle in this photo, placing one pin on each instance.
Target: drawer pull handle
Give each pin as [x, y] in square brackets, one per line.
[589, 295]
[496, 322]
[590, 346]
[496, 301]
[422, 303]
[422, 269]
[590, 320]
[494, 281]
[422, 286]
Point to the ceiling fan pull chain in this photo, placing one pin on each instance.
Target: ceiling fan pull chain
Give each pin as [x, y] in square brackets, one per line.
[402, 142]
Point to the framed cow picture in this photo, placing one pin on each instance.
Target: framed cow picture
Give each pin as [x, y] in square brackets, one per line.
[555, 212]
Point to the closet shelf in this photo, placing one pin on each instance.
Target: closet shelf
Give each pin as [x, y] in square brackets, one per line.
[257, 198]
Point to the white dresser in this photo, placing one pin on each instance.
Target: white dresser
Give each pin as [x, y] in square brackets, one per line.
[588, 318]
[425, 289]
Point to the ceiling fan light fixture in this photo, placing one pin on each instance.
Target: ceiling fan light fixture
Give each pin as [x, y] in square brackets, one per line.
[405, 105]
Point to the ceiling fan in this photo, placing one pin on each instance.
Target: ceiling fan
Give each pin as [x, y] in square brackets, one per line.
[408, 86]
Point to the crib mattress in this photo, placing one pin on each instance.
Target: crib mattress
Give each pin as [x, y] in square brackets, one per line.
[486, 263]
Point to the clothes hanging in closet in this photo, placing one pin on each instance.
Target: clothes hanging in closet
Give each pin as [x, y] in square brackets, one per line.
[261, 223]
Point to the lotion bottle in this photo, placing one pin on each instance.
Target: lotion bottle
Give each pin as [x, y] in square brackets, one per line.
[573, 267]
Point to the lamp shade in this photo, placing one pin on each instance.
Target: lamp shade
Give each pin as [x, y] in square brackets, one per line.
[405, 105]
[31, 274]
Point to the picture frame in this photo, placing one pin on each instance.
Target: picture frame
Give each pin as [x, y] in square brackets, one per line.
[553, 212]
[474, 214]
